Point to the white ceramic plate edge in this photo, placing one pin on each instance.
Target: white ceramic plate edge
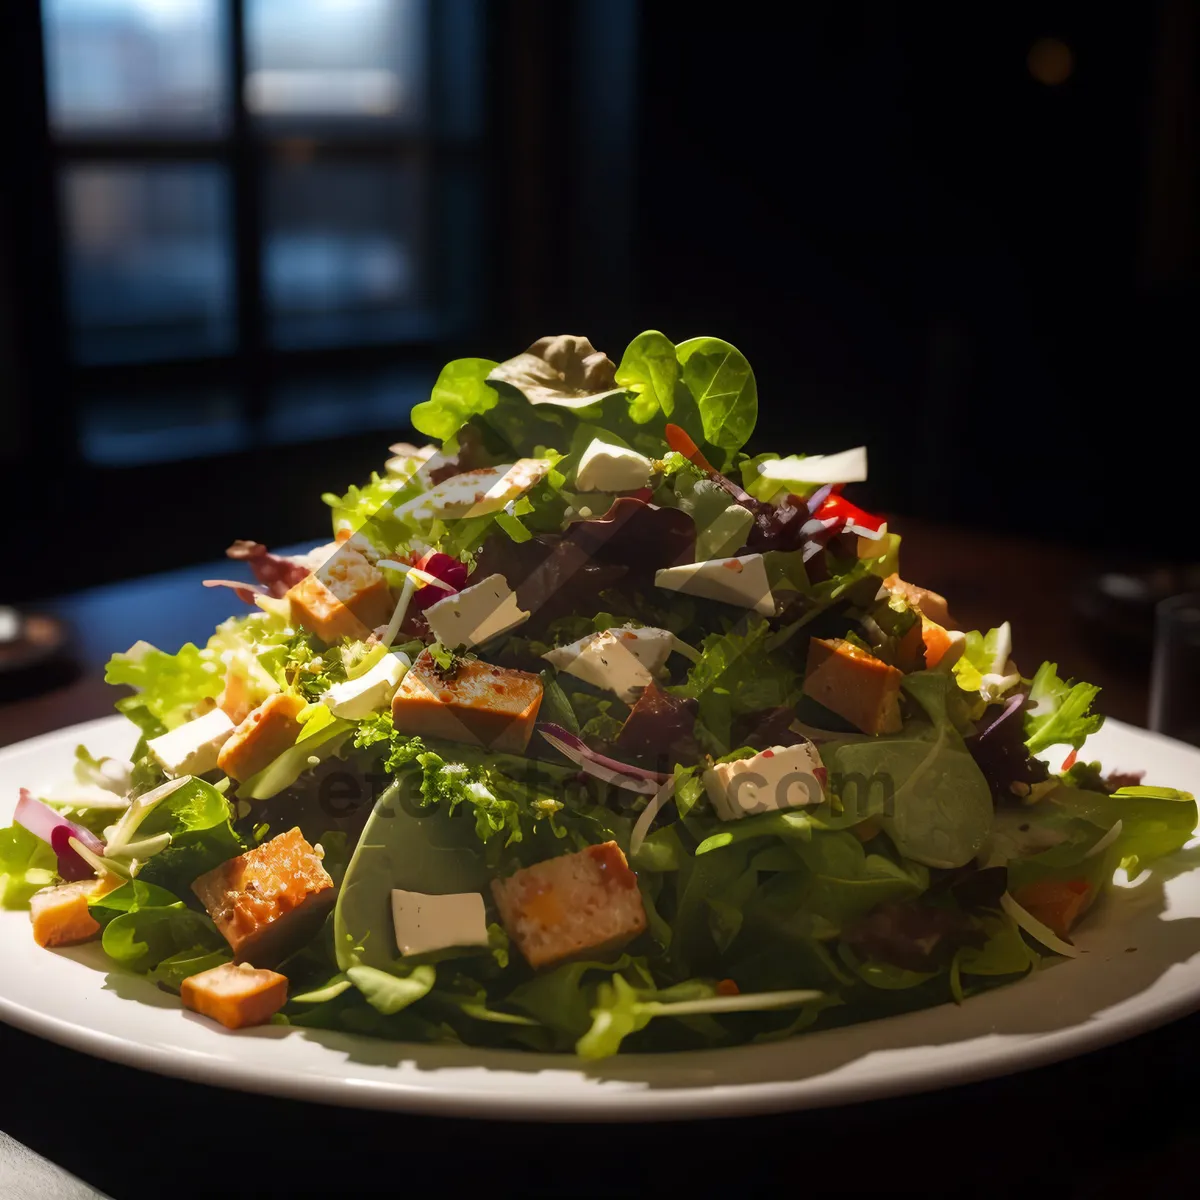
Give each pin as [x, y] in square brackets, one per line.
[909, 1052]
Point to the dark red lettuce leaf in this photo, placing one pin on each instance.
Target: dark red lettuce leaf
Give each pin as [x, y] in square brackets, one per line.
[915, 937]
[658, 731]
[559, 574]
[768, 727]
[998, 748]
[276, 572]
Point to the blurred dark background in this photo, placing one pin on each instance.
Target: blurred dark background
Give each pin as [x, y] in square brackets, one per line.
[239, 237]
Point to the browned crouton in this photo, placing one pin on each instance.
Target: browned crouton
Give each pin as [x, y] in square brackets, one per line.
[60, 914]
[262, 737]
[269, 899]
[235, 994]
[484, 705]
[583, 903]
[346, 597]
[854, 684]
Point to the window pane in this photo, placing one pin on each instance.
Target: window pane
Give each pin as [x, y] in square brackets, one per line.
[317, 408]
[136, 66]
[149, 265]
[182, 424]
[342, 253]
[319, 62]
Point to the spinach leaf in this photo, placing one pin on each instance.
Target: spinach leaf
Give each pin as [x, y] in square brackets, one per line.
[390, 991]
[402, 846]
[650, 370]
[936, 804]
[722, 384]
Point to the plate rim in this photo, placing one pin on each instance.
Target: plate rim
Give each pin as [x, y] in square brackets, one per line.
[718, 1100]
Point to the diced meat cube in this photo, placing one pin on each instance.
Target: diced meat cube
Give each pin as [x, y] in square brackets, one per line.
[477, 703]
[583, 903]
[1057, 903]
[856, 685]
[235, 994]
[262, 737]
[346, 597]
[910, 648]
[928, 602]
[943, 647]
[60, 914]
[268, 900]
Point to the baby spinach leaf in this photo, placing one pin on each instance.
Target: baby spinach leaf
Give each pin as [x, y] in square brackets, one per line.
[722, 384]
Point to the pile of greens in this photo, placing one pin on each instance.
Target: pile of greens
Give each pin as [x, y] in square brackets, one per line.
[900, 889]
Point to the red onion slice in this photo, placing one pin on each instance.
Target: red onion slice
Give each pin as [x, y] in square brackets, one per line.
[1011, 705]
[818, 498]
[633, 779]
[56, 831]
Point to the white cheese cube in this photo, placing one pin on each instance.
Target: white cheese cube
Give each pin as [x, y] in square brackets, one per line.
[476, 614]
[608, 468]
[725, 534]
[605, 660]
[425, 923]
[741, 581]
[192, 748]
[354, 699]
[602, 659]
[778, 778]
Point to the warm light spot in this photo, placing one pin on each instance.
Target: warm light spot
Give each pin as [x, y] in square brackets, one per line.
[1050, 61]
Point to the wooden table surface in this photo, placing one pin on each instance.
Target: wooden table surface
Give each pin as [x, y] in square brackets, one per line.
[1115, 1121]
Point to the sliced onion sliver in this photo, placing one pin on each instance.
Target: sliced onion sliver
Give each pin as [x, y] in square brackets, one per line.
[656, 805]
[1107, 840]
[633, 779]
[1036, 930]
[56, 831]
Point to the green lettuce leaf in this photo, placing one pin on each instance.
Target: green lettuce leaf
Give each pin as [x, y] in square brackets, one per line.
[460, 393]
[1059, 712]
[145, 925]
[27, 865]
[1154, 821]
[199, 821]
[390, 991]
[370, 510]
[738, 673]
[622, 1009]
[169, 686]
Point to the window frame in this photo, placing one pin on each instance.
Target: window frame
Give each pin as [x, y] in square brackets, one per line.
[253, 367]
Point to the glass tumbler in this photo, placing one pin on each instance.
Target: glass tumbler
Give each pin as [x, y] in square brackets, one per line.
[1175, 677]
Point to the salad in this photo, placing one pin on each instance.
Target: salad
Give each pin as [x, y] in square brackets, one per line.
[588, 731]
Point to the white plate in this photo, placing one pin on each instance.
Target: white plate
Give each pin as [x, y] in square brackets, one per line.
[1140, 968]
